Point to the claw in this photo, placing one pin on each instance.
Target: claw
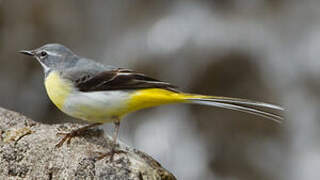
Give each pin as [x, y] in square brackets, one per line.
[61, 133]
[110, 154]
[67, 137]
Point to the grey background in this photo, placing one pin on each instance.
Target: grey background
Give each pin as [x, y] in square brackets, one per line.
[265, 50]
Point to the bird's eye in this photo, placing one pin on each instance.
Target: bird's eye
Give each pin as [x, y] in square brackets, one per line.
[43, 53]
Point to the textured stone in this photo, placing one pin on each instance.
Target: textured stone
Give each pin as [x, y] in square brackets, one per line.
[27, 151]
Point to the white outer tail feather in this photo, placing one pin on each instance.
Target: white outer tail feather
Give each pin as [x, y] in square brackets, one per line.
[245, 102]
[232, 104]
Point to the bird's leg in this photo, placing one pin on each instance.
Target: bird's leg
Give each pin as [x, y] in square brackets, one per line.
[115, 134]
[114, 143]
[68, 136]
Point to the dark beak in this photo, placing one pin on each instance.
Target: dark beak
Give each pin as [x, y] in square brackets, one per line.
[29, 53]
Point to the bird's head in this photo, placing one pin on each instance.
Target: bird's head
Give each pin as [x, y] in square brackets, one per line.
[53, 56]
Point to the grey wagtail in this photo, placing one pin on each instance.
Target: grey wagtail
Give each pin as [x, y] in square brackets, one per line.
[87, 90]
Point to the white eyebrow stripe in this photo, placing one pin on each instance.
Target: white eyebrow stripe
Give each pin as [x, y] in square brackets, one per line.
[53, 54]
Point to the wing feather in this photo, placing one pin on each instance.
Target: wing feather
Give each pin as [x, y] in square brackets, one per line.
[120, 79]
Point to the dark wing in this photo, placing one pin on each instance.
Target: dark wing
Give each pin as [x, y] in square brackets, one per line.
[119, 79]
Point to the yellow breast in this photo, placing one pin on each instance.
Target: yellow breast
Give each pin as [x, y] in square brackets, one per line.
[58, 89]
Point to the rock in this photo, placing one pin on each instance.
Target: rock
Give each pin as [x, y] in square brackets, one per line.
[27, 151]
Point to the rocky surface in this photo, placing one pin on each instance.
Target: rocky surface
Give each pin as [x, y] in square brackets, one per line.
[27, 151]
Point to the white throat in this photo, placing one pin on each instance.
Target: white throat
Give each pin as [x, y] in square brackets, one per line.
[46, 68]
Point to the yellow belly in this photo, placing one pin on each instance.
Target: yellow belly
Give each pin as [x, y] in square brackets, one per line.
[58, 89]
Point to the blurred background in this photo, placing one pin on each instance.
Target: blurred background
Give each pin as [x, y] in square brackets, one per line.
[265, 50]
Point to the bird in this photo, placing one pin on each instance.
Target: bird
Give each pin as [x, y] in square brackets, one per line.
[87, 90]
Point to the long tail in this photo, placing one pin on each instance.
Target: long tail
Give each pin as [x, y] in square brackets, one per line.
[238, 105]
[155, 97]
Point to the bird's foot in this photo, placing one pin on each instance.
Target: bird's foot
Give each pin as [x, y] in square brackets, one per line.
[109, 154]
[67, 137]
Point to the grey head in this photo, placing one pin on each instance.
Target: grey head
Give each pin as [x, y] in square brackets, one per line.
[53, 57]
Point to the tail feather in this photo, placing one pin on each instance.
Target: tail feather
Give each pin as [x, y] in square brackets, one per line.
[155, 97]
[239, 105]
[244, 102]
